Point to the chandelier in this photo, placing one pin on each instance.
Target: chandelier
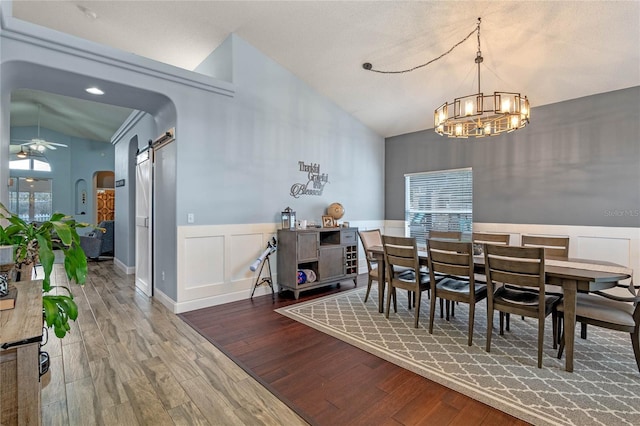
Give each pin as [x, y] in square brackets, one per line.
[476, 115]
[480, 115]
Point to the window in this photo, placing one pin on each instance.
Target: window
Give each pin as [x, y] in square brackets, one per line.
[31, 198]
[33, 162]
[441, 200]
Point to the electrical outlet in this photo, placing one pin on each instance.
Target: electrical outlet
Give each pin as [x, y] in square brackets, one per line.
[190, 218]
[162, 275]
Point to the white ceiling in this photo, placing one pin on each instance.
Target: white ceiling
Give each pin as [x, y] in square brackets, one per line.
[549, 50]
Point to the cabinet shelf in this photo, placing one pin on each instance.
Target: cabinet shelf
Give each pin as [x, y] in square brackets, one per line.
[331, 253]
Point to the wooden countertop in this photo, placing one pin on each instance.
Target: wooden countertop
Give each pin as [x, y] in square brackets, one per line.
[25, 320]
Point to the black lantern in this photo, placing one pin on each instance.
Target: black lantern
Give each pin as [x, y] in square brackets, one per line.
[288, 219]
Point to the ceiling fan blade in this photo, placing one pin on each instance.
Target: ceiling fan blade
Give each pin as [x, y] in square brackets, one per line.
[56, 144]
[50, 147]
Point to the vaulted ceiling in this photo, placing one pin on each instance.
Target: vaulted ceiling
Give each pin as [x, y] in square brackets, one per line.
[549, 50]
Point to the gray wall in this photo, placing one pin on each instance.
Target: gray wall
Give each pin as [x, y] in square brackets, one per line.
[241, 169]
[577, 163]
[235, 158]
[125, 168]
[164, 225]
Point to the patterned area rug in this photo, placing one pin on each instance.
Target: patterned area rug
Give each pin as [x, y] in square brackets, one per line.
[604, 388]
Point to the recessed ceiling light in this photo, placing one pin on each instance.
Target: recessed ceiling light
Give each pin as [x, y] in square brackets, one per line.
[94, 91]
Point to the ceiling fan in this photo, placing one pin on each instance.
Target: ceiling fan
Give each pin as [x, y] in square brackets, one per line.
[37, 144]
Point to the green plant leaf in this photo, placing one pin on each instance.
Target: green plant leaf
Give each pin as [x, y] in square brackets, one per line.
[75, 262]
[50, 310]
[71, 307]
[47, 257]
[63, 230]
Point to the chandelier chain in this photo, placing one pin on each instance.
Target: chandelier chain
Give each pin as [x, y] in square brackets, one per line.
[367, 66]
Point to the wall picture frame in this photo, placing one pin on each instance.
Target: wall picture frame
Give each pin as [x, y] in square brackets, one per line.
[328, 221]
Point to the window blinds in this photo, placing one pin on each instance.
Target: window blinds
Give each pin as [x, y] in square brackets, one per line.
[440, 200]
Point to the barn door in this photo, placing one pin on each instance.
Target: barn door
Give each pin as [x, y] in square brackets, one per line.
[144, 222]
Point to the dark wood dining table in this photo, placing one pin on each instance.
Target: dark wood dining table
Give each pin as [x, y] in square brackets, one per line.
[574, 275]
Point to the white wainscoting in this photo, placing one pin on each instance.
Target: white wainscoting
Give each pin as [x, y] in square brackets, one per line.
[617, 245]
[612, 244]
[213, 261]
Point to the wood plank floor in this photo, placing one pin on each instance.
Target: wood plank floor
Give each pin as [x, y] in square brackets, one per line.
[129, 361]
[330, 382]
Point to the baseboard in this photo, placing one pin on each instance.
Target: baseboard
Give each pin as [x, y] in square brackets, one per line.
[165, 300]
[205, 302]
[124, 268]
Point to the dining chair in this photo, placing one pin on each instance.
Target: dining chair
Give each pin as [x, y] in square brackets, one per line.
[454, 261]
[401, 253]
[490, 238]
[553, 246]
[602, 309]
[369, 239]
[481, 238]
[445, 235]
[519, 267]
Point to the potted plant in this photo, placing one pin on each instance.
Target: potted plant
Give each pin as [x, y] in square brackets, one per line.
[33, 243]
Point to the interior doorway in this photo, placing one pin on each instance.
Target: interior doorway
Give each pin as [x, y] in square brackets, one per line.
[105, 195]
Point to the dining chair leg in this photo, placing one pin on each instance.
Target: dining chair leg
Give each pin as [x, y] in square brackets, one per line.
[502, 323]
[472, 309]
[561, 346]
[540, 340]
[418, 296]
[395, 300]
[583, 330]
[390, 290]
[554, 325]
[559, 325]
[489, 325]
[635, 341]
[409, 303]
[447, 306]
[432, 313]
[441, 307]
[366, 296]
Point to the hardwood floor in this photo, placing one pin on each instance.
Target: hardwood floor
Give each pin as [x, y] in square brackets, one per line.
[330, 382]
[129, 361]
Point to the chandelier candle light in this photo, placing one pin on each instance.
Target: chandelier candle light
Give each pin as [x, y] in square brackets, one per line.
[476, 115]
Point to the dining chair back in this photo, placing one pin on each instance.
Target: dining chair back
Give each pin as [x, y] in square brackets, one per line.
[613, 312]
[520, 269]
[369, 239]
[401, 254]
[445, 235]
[452, 279]
[553, 246]
[491, 238]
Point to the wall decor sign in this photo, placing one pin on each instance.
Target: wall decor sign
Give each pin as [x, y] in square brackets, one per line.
[119, 183]
[315, 180]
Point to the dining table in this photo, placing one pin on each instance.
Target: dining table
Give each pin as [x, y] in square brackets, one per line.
[573, 274]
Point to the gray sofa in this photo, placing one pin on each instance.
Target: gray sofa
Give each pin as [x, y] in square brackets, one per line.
[98, 243]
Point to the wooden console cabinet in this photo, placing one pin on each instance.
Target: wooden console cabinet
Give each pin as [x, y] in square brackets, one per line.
[20, 336]
[331, 253]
